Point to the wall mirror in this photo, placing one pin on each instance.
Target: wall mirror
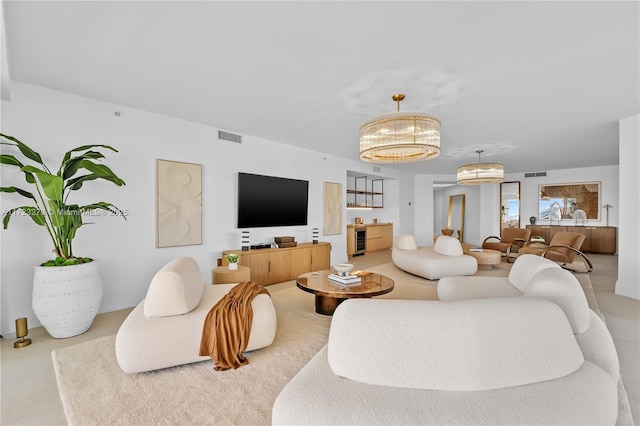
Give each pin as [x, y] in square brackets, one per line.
[455, 220]
[569, 201]
[509, 205]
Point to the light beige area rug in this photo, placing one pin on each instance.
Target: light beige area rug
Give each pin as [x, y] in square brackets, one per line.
[94, 391]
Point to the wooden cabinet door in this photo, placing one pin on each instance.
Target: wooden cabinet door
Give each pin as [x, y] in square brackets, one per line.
[259, 264]
[300, 262]
[279, 266]
[603, 239]
[586, 231]
[320, 257]
[351, 241]
[387, 236]
[379, 237]
[374, 235]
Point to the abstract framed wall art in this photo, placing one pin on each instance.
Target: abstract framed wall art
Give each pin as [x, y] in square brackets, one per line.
[178, 203]
[332, 218]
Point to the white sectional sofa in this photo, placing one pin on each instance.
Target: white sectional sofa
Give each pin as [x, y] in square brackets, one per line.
[540, 358]
[443, 259]
[165, 329]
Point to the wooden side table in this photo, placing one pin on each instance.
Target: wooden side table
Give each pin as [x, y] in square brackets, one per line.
[224, 275]
[486, 258]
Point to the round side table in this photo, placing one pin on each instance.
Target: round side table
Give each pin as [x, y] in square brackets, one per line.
[224, 275]
[486, 258]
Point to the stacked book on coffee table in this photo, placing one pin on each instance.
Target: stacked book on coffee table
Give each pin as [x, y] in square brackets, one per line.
[345, 280]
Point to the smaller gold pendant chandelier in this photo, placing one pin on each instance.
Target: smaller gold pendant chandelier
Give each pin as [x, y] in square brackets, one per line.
[479, 173]
[400, 137]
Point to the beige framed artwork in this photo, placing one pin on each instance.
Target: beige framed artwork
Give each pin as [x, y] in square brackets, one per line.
[178, 203]
[332, 214]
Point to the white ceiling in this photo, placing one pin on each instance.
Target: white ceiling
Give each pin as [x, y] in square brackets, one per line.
[536, 85]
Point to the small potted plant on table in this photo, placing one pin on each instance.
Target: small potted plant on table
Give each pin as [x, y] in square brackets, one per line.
[232, 258]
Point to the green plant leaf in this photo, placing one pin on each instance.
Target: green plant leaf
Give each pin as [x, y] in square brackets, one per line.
[67, 155]
[33, 212]
[101, 205]
[74, 222]
[102, 171]
[22, 192]
[24, 149]
[70, 166]
[52, 185]
[10, 160]
[57, 213]
[76, 183]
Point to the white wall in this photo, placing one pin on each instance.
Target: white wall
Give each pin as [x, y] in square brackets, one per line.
[53, 122]
[628, 266]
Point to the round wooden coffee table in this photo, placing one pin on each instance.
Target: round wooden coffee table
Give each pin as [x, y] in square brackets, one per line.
[486, 258]
[329, 296]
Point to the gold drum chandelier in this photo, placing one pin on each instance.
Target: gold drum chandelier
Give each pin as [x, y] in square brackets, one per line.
[479, 173]
[400, 137]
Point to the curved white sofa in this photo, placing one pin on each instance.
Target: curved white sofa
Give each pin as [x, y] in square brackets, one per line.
[445, 258]
[452, 288]
[486, 361]
[165, 329]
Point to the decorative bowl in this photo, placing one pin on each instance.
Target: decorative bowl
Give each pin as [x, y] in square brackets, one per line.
[343, 268]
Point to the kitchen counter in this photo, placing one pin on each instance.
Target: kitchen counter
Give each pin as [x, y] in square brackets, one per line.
[378, 236]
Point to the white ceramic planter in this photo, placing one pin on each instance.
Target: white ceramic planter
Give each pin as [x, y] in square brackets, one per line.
[66, 299]
[233, 266]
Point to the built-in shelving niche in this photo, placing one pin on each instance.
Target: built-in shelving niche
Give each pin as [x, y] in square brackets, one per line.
[363, 191]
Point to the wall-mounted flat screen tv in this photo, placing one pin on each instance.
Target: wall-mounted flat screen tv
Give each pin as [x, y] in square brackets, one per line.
[271, 201]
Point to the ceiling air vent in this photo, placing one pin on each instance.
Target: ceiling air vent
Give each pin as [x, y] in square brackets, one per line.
[377, 169]
[229, 137]
[535, 174]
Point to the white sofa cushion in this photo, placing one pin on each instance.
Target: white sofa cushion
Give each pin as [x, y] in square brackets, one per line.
[445, 346]
[525, 267]
[315, 396]
[448, 246]
[562, 288]
[175, 289]
[406, 242]
[452, 288]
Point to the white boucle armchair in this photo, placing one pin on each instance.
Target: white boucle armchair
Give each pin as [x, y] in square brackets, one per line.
[165, 329]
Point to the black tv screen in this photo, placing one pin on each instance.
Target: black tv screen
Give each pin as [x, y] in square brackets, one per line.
[271, 201]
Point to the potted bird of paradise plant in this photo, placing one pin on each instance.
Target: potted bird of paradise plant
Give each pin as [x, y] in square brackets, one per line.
[67, 290]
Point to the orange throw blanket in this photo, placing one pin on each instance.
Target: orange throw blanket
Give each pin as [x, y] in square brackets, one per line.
[225, 334]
